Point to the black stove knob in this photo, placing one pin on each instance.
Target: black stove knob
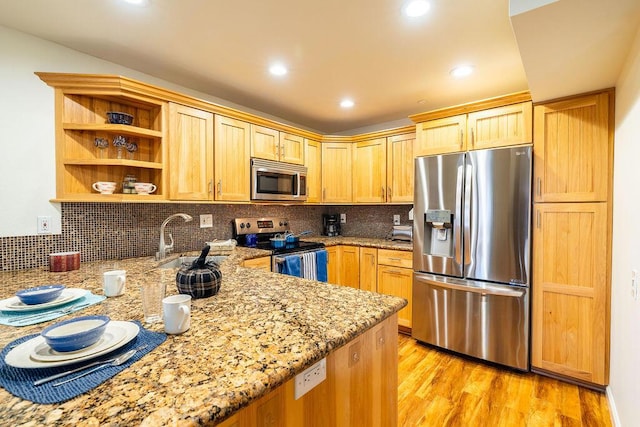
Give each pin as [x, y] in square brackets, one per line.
[242, 225]
[248, 225]
[286, 223]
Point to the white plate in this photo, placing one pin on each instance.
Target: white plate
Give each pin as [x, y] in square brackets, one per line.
[14, 304]
[112, 336]
[19, 357]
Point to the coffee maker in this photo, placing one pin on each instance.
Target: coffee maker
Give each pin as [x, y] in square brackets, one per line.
[331, 224]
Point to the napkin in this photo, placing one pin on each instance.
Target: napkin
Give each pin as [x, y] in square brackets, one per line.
[19, 381]
[51, 313]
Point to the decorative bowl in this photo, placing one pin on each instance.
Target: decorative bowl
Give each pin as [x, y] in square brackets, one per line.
[75, 334]
[119, 118]
[40, 294]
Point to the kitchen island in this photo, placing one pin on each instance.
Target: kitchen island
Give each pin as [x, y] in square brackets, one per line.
[240, 356]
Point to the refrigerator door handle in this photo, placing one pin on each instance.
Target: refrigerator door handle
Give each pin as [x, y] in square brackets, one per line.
[467, 229]
[457, 223]
[514, 292]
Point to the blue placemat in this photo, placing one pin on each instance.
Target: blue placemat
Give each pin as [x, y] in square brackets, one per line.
[19, 381]
[13, 318]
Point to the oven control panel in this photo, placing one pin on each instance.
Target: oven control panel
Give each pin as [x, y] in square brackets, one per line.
[260, 225]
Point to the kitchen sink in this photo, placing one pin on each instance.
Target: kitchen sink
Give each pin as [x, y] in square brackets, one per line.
[177, 262]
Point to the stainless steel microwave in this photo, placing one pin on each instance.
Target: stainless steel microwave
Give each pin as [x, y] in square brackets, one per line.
[278, 181]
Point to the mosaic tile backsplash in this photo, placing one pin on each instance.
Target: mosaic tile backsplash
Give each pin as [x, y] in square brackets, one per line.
[112, 231]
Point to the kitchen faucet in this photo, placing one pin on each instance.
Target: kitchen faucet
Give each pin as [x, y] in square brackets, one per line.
[163, 248]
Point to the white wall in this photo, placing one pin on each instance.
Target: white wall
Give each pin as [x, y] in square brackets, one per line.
[27, 146]
[624, 389]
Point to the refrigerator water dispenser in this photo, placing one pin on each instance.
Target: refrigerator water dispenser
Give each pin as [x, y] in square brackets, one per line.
[437, 232]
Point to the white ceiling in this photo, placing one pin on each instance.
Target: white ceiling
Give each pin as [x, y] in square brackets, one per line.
[364, 49]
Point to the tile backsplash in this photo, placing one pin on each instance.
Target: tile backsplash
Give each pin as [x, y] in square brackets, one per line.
[102, 231]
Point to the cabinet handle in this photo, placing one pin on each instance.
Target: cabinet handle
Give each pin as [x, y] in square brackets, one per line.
[382, 192]
[210, 186]
[461, 137]
[472, 137]
[389, 194]
[538, 218]
[282, 152]
[219, 187]
[539, 186]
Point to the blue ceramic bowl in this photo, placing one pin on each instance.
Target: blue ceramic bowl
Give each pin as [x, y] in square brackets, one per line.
[40, 294]
[75, 334]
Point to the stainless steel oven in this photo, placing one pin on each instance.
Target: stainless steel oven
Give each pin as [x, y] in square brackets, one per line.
[278, 181]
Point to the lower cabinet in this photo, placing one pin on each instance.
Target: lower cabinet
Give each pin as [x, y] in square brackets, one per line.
[349, 261]
[398, 282]
[361, 388]
[262, 263]
[369, 269]
[332, 264]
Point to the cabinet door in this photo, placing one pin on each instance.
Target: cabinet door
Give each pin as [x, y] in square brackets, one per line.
[398, 282]
[571, 149]
[262, 263]
[400, 167]
[369, 269]
[570, 287]
[441, 136]
[370, 171]
[265, 143]
[190, 153]
[232, 169]
[501, 126]
[349, 261]
[332, 265]
[312, 159]
[291, 148]
[336, 172]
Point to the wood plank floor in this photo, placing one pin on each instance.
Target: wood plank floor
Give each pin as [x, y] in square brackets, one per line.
[440, 389]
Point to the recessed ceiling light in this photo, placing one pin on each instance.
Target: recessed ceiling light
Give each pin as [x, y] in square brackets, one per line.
[461, 71]
[278, 69]
[137, 2]
[347, 103]
[416, 8]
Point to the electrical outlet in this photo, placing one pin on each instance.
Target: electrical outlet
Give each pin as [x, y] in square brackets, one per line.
[310, 377]
[343, 218]
[44, 224]
[396, 220]
[634, 284]
[206, 221]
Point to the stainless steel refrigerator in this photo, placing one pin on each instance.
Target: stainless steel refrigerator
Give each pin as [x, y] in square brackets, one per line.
[471, 256]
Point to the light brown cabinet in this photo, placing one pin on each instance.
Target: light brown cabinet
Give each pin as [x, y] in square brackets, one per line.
[262, 263]
[400, 167]
[573, 152]
[231, 158]
[361, 388]
[270, 144]
[337, 163]
[441, 136]
[370, 171]
[395, 277]
[349, 262]
[332, 265]
[369, 269]
[313, 162]
[191, 136]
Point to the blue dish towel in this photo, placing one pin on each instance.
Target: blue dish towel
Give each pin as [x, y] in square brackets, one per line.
[321, 265]
[19, 381]
[292, 266]
[13, 318]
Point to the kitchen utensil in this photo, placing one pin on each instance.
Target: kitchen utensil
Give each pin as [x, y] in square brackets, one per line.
[152, 294]
[104, 187]
[64, 261]
[20, 356]
[278, 241]
[40, 294]
[115, 362]
[75, 334]
[82, 368]
[113, 282]
[176, 313]
[111, 338]
[65, 310]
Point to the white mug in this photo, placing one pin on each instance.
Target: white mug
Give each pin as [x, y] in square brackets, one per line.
[113, 282]
[144, 187]
[176, 313]
[104, 187]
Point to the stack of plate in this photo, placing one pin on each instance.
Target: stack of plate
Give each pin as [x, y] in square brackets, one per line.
[67, 295]
[36, 353]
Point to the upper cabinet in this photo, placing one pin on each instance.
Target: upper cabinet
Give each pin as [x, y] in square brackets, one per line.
[91, 148]
[496, 122]
[270, 144]
[232, 157]
[571, 150]
[336, 172]
[370, 171]
[400, 149]
[313, 162]
[191, 136]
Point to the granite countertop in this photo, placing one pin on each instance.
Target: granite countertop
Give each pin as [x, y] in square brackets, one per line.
[258, 332]
[362, 241]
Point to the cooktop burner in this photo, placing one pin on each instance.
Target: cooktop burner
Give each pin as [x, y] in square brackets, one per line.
[264, 229]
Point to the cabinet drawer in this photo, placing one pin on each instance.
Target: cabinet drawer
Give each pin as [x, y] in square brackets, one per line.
[395, 258]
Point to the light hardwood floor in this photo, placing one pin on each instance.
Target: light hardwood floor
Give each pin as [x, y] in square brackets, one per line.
[440, 389]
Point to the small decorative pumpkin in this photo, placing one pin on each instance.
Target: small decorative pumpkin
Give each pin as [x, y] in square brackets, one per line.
[201, 279]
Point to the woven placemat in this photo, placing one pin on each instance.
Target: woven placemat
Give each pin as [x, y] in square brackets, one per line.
[19, 381]
[13, 318]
